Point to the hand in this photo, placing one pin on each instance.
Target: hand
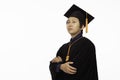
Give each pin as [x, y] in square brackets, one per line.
[67, 68]
[57, 59]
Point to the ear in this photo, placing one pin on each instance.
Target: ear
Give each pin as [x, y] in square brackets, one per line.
[82, 27]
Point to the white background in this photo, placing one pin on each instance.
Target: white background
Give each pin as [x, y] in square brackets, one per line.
[31, 32]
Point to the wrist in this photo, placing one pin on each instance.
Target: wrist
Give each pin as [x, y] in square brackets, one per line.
[61, 66]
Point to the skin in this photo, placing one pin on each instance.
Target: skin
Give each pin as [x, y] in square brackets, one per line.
[73, 28]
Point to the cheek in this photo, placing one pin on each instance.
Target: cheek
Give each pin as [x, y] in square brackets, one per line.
[67, 27]
[76, 27]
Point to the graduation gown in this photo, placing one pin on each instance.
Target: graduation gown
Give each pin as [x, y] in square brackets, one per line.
[82, 53]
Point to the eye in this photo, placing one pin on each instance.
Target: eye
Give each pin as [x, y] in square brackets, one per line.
[73, 21]
[67, 22]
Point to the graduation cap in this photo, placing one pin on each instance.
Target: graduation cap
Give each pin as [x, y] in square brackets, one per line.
[84, 17]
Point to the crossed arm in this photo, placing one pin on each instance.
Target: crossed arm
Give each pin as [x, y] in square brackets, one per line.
[65, 67]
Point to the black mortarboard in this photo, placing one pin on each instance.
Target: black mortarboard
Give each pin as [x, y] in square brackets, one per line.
[84, 17]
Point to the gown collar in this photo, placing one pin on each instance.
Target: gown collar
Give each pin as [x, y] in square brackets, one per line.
[76, 37]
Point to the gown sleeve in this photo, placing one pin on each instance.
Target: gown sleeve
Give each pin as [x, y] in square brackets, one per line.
[53, 67]
[85, 63]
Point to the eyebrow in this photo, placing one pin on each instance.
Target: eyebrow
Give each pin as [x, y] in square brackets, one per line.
[67, 20]
[72, 20]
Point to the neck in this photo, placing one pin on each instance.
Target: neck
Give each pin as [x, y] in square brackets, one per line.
[73, 35]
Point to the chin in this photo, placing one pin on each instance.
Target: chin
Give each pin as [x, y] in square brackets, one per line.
[71, 33]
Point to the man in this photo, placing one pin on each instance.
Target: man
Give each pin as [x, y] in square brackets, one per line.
[75, 60]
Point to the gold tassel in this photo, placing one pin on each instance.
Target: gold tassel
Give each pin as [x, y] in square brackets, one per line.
[86, 23]
[67, 58]
[68, 53]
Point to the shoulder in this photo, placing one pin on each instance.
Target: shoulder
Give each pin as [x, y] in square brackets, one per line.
[64, 45]
[61, 49]
[88, 42]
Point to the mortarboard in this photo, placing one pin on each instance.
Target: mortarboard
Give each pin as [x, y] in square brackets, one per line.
[84, 17]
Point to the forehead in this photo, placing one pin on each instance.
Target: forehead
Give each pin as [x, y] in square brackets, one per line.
[73, 18]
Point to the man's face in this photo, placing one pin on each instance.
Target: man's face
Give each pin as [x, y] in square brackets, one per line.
[73, 25]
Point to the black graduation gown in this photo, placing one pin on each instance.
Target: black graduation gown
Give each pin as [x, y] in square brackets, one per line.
[82, 53]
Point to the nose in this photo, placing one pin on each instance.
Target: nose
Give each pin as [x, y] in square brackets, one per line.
[70, 24]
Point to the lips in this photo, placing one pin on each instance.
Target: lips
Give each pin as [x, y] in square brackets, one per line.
[70, 29]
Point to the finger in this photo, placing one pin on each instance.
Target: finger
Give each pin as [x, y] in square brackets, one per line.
[70, 62]
[56, 59]
[73, 68]
[53, 60]
[60, 59]
[70, 71]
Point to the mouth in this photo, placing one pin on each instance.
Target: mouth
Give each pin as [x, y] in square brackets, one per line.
[70, 29]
